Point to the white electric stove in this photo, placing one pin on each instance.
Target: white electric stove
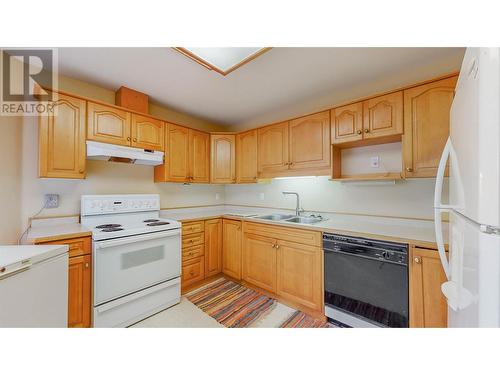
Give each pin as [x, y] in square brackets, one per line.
[136, 257]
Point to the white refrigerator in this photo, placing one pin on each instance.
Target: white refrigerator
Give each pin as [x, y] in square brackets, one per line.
[472, 267]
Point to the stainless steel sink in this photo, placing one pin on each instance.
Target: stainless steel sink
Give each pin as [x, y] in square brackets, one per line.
[304, 220]
[274, 217]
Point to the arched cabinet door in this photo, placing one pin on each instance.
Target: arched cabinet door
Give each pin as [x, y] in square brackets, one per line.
[61, 137]
[347, 123]
[108, 124]
[273, 149]
[383, 115]
[147, 133]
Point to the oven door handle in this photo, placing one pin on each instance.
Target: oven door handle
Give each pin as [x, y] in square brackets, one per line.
[132, 239]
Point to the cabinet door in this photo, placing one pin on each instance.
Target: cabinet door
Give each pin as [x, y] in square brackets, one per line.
[259, 261]
[309, 139]
[428, 306]
[273, 149]
[300, 276]
[193, 271]
[62, 139]
[223, 157]
[177, 154]
[147, 133]
[427, 126]
[213, 247]
[79, 291]
[246, 157]
[383, 116]
[231, 248]
[199, 146]
[347, 123]
[108, 124]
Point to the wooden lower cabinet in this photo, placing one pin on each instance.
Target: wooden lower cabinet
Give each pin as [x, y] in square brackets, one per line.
[300, 274]
[79, 280]
[231, 248]
[428, 306]
[259, 261]
[193, 270]
[213, 247]
[79, 290]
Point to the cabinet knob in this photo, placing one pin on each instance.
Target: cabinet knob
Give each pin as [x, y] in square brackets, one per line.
[359, 132]
[86, 265]
[409, 169]
[277, 246]
[128, 138]
[273, 245]
[417, 260]
[191, 273]
[367, 130]
[135, 139]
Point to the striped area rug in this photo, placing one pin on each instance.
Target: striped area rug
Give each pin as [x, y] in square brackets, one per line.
[301, 320]
[231, 304]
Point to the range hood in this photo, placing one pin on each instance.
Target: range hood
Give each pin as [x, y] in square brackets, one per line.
[123, 154]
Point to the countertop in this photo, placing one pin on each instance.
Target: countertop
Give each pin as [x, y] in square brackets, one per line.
[417, 231]
[54, 229]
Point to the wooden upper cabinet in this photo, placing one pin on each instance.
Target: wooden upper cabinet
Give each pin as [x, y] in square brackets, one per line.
[427, 126]
[108, 124]
[231, 248]
[428, 306]
[61, 139]
[383, 115]
[309, 139]
[273, 148]
[347, 123]
[213, 247]
[259, 261]
[199, 156]
[147, 133]
[246, 157]
[223, 157]
[177, 154]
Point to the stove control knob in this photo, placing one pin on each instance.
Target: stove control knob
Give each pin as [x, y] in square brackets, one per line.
[386, 255]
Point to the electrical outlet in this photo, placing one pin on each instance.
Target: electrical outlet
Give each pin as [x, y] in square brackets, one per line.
[217, 196]
[262, 196]
[374, 161]
[51, 200]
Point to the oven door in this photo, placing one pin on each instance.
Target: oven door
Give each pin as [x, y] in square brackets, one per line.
[370, 289]
[129, 264]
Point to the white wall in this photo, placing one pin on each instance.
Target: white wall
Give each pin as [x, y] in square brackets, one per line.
[410, 198]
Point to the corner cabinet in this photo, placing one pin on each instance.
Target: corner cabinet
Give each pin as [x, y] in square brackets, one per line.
[108, 124]
[61, 139]
[246, 157]
[223, 158]
[427, 126]
[428, 306]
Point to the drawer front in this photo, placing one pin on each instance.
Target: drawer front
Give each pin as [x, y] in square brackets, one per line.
[306, 237]
[193, 240]
[193, 227]
[193, 252]
[193, 271]
[77, 246]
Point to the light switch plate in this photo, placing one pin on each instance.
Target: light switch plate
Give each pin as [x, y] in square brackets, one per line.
[51, 200]
[262, 196]
[374, 161]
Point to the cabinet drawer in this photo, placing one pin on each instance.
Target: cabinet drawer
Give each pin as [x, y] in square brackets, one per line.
[193, 271]
[192, 240]
[193, 227]
[193, 252]
[306, 237]
[77, 246]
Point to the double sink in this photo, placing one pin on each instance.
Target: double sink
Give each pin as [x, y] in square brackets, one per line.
[291, 218]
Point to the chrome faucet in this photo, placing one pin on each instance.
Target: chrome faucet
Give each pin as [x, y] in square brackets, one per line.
[298, 210]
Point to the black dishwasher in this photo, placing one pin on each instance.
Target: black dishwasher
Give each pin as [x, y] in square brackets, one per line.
[366, 281]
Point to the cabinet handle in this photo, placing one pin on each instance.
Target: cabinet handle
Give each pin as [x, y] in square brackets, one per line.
[86, 265]
[359, 132]
[128, 138]
[135, 139]
[277, 246]
[409, 169]
[367, 130]
[417, 260]
[81, 171]
[191, 273]
[273, 245]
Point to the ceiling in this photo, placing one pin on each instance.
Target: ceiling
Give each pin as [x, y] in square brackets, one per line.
[280, 84]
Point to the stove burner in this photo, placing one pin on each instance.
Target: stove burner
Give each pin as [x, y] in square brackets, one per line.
[112, 229]
[150, 221]
[157, 223]
[105, 226]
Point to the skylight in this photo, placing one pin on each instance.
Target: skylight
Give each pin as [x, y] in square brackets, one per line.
[222, 59]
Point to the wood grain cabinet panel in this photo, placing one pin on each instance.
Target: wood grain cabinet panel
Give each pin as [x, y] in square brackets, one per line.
[231, 248]
[309, 139]
[300, 274]
[223, 158]
[246, 157]
[427, 126]
[347, 123]
[79, 290]
[259, 261]
[428, 306]
[61, 139]
[193, 271]
[147, 133]
[199, 156]
[213, 247]
[273, 149]
[108, 124]
[175, 168]
[383, 115]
